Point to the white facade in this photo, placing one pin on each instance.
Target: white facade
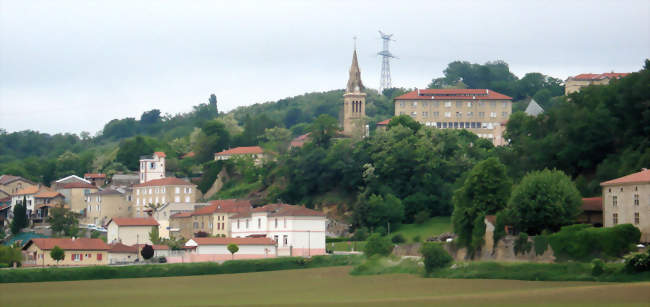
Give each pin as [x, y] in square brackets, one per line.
[128, 235]
[295, 235]
[29, 198]
[222, 249]
[152, 167]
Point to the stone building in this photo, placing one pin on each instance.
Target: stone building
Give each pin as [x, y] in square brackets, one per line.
[574, 84]
[158, 192]
[101, 206]
[152, 167]
[354, 103]
[627, 200]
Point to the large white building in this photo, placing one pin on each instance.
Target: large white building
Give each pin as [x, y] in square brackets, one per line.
[297, 230]
[152, 167]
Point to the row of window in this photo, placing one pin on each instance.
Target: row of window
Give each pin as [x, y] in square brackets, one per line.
[186, 190]
[285, 239]
[259, 223]
[456, 114]
[461, 125]
[80, 257]
[177, 199]
[636, 200]
[637, 218]
[448, 104]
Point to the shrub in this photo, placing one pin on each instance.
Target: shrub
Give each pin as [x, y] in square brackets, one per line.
[9, 255]
[57, 253]
[638, 263]
[378, 245]
[398, 239]
[421, 217]
[417, 239]
[435, 257]
[522, 245]
[597, 267]
[336, 239]
[361, 234]
[584, 242]
[541, 244]
[147, 252]
[381, 230]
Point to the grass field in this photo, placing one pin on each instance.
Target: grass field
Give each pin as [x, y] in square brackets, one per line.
[318, 287]
[433, 227]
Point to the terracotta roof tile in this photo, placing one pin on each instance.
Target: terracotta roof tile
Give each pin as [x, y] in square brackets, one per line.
[592, 204]
[453, 94]
[226, 206]
[122, 248]
[134, 221]
[238, 241]
[6, 179]
[181, 215]
[47, 194]
[69, 244]
[28, 191]
[640, 177]
[94, 175]
[160, 154]
[163, 182]
[76, 185]
[612, 75]
[384, 122]
[242, 151]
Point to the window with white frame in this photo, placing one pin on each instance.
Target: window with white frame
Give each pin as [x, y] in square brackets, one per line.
[637, 218]
[178, 190]
[414, 104]
[448, 104]
[469, 104]
[447, 114]
[636, 200]
[493, 114]
[187, 199]
[177, 199]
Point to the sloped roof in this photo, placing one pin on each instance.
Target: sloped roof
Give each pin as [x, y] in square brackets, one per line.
[281, 210]
[181, 215]
[226, 206]
[76, 185]
[592, 204]
[6, 179]
[163, 182]
[75, 178]
[94, 175]
[48, 194]
[160, 154]
[640, 177]
[384, 122]
[534, 109]
[453, 94]
[354, 81]
[134, 221]
[123, 248]
[238, 241]
[607, 75]
[28, 190]
[107, 192]
[242, 151]
[68, 244]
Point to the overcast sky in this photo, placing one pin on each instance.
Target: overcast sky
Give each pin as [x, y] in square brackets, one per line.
[71, 66]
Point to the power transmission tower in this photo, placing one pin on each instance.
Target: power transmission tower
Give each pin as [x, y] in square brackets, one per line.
[385, 81]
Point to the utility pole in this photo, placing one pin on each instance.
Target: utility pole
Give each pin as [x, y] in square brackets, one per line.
[385, 80]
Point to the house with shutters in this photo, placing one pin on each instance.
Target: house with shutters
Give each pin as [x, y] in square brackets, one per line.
[158, 192]
[626, 200]
[78, 252]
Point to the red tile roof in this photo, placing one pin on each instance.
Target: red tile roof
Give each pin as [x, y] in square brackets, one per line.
[640, 177]
[163, 182]
[612, 75]
[156, 247]
[181, 214]
[160, 154]
[238, 241]
[47, 194]
[282, 210]
[134, 221]
[248, 150]
[384, 122]
[76, 185]
[453, 94]
[122, 248]
[6, 179]
[28, 190]
[592, 204]
[94, 175]
[226, 206]
[190, 154]
[68, 244]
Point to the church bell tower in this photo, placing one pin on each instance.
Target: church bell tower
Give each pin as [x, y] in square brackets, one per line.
[354, 102]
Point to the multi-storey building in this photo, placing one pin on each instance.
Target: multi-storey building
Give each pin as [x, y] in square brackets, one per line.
[297, 230]
[214, 219]
[627, 200]
[481, 111]
[152, 167]
[161, 191]
[574, 84]
[75, 193]
[103, 205]
[11, 184]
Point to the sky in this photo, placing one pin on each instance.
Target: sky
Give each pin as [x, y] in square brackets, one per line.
[72, 66]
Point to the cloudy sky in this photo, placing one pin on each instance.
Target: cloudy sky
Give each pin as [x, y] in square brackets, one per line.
[71, 66]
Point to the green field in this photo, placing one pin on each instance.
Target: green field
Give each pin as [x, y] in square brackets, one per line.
[433, 227]
[318, 287]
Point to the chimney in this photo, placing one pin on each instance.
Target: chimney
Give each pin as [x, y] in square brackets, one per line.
[418, 91]
[487, 91]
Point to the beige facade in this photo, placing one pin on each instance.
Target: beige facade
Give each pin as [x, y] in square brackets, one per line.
[574, 84]
[103, 205]
[180, 226]
[130, 231]
[152, 167]
[12, 184]
[354, 103]
[75, 194]
[83, 253]
[626, 200]
[164, 213]
[480, 111]
[254, 152]
[213, 219]
[160, 192]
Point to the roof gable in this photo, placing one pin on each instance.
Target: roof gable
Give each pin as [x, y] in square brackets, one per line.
[164, 182]
[640, 177]
[246, 150]
[453, 94]
[133, 221]
[68, 243]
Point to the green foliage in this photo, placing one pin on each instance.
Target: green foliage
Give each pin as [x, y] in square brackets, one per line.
[154, 235]
[57, 254]
[94, 234]
[544, 200]
[213, 138]
[522, 245]
[20, 219]
[63, 221]
[398, 239]
[435, 257]
[416, 239]
[405, 121]
[147, 251]
[177, 269]
[541, 244]
[381, 265]
[638, 263]
[378, 245]
[485, 191]
[377, 211]
[132, 149]
[211, 171]
[323, 129]
[598, 267]
[421, 217]
[361, 234]
[233, 248]
[10, 255]
[582, 242]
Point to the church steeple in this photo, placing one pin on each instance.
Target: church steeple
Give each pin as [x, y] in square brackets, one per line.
[354, 82]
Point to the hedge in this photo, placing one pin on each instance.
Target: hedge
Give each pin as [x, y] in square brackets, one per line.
[584, 242]
[176, 269]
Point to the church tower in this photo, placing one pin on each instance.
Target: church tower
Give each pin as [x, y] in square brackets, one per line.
[354, 102]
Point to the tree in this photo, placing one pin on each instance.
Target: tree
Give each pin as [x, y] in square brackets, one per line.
[485, 191]
[378, 245]
[154, 236]
[405, 121]
[378, 211]
[147, 252]
[323, 129]
[20, 219]
[131, 149]
[233, 248]
[435, 256]
[212, 101]
[63, 220]
[543, 200]
[10, 255]
[150, 117]
[214, 137]
[57, 254]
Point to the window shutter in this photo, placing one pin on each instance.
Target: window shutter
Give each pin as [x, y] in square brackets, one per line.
[81, 257]
[99, 257]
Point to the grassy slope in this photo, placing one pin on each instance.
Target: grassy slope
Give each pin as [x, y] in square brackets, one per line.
[317, 287]
[435, 226]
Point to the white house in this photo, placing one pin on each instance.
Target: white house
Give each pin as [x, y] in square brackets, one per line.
[297, 230]
[130, 230]
[216, 249]
[152, 167]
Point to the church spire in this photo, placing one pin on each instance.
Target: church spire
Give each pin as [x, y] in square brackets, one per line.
[354, 83]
